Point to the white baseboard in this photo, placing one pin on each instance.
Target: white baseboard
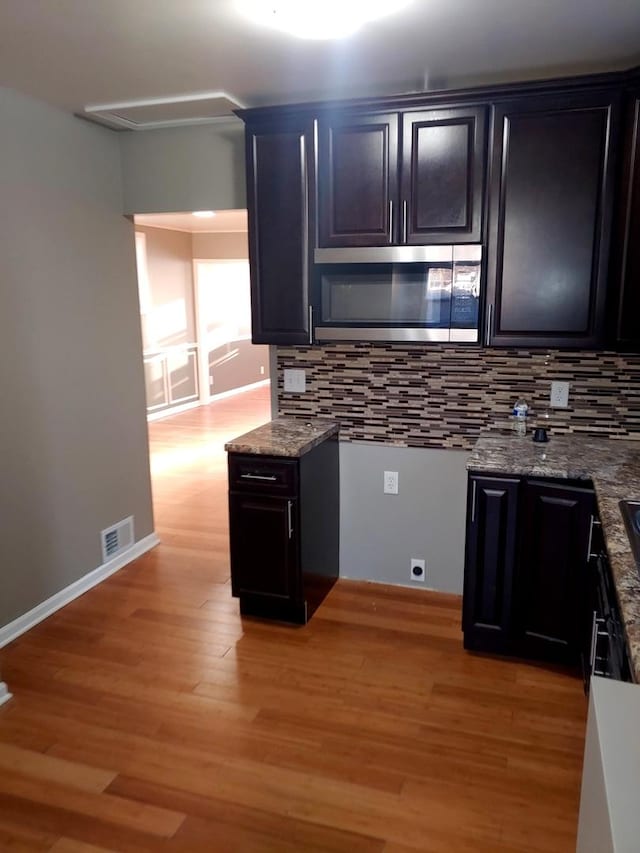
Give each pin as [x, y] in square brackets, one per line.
[241, 390]
[172, 410]
[187, 407]
[46, 608]
[4, 693]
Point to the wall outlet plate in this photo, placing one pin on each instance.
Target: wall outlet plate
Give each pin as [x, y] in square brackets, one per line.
[390, 483]
[417, 570]
[295, 381]
[559, 397]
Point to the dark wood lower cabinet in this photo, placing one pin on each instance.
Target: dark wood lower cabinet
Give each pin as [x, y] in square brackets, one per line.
[526, 567]
[284, 531]
[489, 564]
[264, 533]
[553, 576]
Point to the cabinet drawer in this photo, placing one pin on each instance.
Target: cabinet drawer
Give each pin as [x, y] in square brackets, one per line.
[263, 474]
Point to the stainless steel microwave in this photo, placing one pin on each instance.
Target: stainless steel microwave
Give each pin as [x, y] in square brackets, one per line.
[397, 293]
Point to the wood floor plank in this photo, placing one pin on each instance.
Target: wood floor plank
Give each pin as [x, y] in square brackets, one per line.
[69, 845]
[19, 837]
[46, 768]
[145, 818]
[150, 717]
[277, 832]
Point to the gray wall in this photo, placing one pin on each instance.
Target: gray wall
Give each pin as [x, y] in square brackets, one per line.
[226, 246]
[170, 271]
[73, 432]
[186, 168]
[379, 534]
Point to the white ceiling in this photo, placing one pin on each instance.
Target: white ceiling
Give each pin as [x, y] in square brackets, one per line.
[224, 221]
[78, 52]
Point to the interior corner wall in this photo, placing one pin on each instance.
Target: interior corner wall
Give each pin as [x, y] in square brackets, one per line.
[73, 431]
[184, 168]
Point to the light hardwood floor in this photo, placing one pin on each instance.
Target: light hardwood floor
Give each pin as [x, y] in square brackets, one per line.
[149, 717]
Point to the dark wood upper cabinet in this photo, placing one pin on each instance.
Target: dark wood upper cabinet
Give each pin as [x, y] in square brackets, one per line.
[626, 252]
[443, 165]
[543, 160]
[551, 210]
[413, 177]
[279, 161]
[357, 180]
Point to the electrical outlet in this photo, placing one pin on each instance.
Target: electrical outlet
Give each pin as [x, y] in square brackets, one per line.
[417, 570]
[390, 483]
[295, 381]
[262, 370]
[559, 397]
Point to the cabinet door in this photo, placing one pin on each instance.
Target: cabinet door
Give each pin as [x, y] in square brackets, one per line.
[551, 204]
[626, 256]
[492, 505]
[358, 180]
[264, 547]
[443, 163]
[278, 163]
[552, 581]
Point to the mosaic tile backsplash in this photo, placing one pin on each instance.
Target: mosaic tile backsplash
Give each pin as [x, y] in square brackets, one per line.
[436, 396]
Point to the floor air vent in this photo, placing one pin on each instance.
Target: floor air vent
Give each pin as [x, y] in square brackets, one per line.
[117, 538]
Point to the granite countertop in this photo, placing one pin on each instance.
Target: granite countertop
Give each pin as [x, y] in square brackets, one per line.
[614, 468]
[284, 436]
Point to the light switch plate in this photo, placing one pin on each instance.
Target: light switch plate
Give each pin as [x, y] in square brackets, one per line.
[559, 398]
[295, 381]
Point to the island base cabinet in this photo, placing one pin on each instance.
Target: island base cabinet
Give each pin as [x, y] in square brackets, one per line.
[527, 567]
[284, 531]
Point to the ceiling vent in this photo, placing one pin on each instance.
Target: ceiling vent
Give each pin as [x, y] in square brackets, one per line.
[154, 113]
[117, 539]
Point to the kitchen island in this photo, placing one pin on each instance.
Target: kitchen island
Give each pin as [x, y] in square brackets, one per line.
[284, 517]
[613, 467]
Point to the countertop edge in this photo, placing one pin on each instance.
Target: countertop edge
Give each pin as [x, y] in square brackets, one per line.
[286, 437]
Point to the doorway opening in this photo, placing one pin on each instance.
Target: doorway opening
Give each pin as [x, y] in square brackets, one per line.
[195, 310]
[205, 381]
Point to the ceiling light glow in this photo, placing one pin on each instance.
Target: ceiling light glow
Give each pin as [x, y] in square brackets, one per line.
[204, 214]
[318, 19]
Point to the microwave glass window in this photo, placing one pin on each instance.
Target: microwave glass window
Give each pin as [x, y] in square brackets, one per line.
[465, 297]
[394, 297]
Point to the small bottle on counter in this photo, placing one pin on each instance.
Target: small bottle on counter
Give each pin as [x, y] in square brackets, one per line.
[519, 417]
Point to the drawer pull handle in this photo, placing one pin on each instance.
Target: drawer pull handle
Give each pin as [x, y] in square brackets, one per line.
[592, 523]
[270, 478]
[594, 640]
